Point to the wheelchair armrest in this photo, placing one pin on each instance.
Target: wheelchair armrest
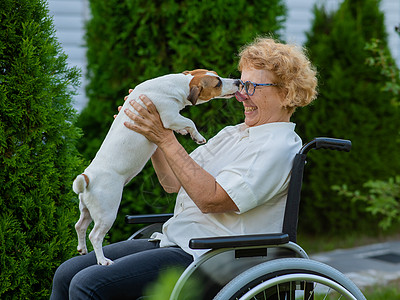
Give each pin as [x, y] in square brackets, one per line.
[147, 219]
[239, 241]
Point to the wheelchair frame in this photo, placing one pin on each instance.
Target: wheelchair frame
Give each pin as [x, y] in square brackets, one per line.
[284, 272]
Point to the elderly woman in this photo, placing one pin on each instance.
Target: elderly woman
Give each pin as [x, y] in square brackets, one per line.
[235, 184]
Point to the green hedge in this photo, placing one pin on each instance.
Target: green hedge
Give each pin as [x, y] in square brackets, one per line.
[131, 41]
[351, 105]
[38, 158]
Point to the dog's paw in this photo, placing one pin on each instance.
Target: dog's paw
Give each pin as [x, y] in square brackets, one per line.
[200, 140]
[82, 251]
[182, 131]
[105, 262]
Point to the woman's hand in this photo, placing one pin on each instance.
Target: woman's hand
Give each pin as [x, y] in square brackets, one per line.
[126, 97]
[148, 122]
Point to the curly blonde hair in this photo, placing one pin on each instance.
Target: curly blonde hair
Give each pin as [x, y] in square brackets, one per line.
[295, 75]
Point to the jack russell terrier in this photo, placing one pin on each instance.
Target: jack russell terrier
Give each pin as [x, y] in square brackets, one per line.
[124, 152]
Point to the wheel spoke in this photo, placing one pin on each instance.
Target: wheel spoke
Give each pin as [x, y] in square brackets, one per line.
[279, 294]
[312, 292]
[327, 293]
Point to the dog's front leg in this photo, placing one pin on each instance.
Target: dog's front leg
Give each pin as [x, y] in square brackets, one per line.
[183, 125]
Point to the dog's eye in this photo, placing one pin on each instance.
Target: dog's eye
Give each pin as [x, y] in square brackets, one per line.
[219, 83]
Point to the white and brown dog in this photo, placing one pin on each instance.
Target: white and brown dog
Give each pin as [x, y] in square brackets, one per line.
[124, 152]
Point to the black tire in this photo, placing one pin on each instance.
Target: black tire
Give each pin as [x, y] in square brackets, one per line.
[290, 278]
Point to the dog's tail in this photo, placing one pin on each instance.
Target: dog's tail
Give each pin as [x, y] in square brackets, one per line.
[80, 183]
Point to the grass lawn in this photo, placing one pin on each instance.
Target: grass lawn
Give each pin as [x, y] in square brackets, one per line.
[388, 292]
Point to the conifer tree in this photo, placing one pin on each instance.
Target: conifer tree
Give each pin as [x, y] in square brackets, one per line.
[351, 105]
[38, 158]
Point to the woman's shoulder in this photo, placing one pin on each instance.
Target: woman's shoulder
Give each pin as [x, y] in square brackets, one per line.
[232, 128]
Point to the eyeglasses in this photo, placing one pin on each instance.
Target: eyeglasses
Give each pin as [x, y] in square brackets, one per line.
[250, 87]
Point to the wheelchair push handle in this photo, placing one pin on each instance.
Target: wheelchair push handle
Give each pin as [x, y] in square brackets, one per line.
[326, 143]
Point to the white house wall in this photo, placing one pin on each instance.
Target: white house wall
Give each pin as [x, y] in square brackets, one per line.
[69, 21]
[300, 16]
[391, 8]
[70, 17]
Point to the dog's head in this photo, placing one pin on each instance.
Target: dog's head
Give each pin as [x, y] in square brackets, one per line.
[206, 85]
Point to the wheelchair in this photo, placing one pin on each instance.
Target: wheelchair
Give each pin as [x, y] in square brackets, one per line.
[262, 266]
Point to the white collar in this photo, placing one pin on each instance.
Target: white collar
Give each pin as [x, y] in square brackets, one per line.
[261, 131]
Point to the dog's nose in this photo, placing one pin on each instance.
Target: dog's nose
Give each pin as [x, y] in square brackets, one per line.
[237, 82]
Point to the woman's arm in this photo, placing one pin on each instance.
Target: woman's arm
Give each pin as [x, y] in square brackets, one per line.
[201, 186]
[165, 175]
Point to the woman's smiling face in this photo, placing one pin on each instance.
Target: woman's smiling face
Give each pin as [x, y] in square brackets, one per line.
[265, 105]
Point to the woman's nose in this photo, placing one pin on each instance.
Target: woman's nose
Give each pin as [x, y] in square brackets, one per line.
[240, 97]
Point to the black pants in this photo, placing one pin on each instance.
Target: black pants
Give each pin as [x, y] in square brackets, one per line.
[136, 264]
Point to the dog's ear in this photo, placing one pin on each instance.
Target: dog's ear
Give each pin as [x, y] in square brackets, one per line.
[194, 94]
[186, 72]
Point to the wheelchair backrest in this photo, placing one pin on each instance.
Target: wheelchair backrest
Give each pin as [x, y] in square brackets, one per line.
[291, 216]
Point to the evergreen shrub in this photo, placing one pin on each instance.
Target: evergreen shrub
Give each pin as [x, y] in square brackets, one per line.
[134, 40]
[382, 197]
[38, 158]
[351, 105]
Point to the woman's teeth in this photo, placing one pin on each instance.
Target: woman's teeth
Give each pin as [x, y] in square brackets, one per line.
[250, 108]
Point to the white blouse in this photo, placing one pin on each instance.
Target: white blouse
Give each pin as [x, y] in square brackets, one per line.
[252, 164]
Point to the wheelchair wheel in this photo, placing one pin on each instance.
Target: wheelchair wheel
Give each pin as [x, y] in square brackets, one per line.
[291, 278]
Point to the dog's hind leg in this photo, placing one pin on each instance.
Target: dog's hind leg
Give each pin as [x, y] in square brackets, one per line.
[104, 203]
[81, 226]
[96, 236]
